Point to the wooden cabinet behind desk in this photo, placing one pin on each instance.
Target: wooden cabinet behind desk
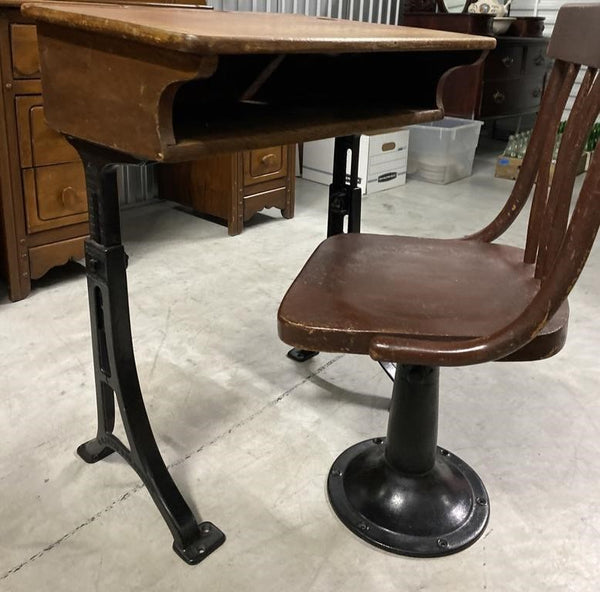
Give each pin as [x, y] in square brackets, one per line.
[233, 187]
[43, 207]
[514, 77]
[43, 202]
[508, 84]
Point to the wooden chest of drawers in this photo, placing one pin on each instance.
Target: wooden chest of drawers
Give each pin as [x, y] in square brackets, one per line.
[233, 187]
[42, 185]
[514, 77]
[43, 204]
[507, 85]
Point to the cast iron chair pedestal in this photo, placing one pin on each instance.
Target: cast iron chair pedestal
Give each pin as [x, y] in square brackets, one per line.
[403, 493]
[114, 362]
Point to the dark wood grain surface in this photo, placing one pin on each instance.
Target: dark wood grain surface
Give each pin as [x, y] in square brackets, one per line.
[215, 32]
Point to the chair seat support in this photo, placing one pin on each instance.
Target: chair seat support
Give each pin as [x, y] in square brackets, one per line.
[114, 363]
[344, 200]
[403, 493]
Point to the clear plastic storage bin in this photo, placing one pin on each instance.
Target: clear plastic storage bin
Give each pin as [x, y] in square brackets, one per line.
[443, 151]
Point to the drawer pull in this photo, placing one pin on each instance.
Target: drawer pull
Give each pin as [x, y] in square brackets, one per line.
[508, 61]
[268, 159]
[539, 60]
[536, 92]
[388, 146]
[69, 198]
[499, 97]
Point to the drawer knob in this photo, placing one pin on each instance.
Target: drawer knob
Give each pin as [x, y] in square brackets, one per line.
[536, 92]
[268, 159]
[499, 97]
[508, 61]
[69, 198]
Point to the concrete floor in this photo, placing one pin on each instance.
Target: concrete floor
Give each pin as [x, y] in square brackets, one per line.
[250, 435]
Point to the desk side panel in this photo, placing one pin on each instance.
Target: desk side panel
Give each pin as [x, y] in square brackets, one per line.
[113, 92]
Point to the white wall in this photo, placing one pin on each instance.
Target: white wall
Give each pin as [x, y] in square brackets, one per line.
[522, 7]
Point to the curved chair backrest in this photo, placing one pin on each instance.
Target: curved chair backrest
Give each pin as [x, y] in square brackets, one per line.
[557, 245]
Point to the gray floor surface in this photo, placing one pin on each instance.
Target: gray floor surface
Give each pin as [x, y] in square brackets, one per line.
[250, 435]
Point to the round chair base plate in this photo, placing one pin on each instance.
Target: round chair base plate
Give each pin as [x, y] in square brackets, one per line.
[438, 513]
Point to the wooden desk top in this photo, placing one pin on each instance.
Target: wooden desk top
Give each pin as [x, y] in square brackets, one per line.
[170, 83]
[215, 32]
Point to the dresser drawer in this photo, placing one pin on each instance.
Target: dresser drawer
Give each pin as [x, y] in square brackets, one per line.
[505, 62]
[54, 196]
[265, 164]
[536, 62]
[24, 49]
[511, 97]
[39, 145]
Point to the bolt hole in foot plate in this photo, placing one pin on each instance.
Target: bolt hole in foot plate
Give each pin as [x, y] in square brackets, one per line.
[209, 539]
[430, 515]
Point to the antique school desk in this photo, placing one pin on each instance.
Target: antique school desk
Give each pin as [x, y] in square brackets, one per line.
[134, 84]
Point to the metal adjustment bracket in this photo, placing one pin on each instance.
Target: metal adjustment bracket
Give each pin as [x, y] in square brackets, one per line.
[344, 200]
[344, 193]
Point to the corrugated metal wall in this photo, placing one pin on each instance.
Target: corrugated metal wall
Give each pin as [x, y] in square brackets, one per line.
[136, 184]
[375, 11]
[522, 7]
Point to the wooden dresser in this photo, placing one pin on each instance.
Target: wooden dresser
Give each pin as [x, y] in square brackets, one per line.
[43, 203]
[233, 187]
[43, 210]
[513, 77]
[508, 84]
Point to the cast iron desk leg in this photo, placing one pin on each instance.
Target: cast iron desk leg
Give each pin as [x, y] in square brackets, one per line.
[114, 362]
[344, 200]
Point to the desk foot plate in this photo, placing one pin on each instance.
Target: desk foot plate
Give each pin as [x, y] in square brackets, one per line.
[209, 539]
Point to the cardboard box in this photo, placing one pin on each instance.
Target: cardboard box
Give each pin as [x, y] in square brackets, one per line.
[381, 163]
[508, 167]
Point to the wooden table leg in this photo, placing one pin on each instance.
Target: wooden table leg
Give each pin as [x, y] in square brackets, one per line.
[114, 362]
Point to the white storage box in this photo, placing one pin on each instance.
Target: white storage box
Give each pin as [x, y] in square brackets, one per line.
[381, 164]
[443, 151]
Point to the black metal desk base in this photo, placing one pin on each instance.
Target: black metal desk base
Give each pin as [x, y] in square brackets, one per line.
[114, 363]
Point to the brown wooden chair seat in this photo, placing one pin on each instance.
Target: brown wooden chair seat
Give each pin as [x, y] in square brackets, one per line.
[448, 289]
[425, 303]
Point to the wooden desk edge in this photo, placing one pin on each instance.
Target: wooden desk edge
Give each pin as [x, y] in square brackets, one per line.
[228, 35]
